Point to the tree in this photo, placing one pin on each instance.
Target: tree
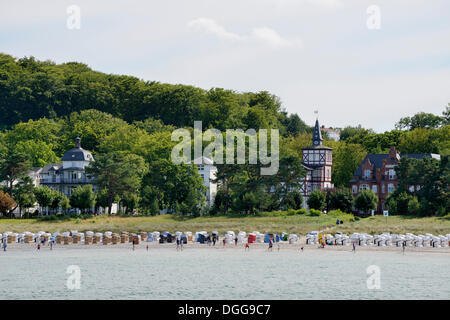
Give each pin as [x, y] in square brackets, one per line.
[177, 187]
[293, 200]
[366, 201]
[6, 203]
[83, 198]
[420, 120]
[117, 172]
[13, 166]
[433, 177]
[340, 199]
[354, 133]
[130, 202]
[346, 159]
[44, 196]
[24, 194]
[149, 200]
[317, 200]
[59, 201]
[101, 200]
[419, 140]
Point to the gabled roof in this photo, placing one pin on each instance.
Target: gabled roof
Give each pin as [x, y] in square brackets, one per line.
[377, 159]
[51, 167]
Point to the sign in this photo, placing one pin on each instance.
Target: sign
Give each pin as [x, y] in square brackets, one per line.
[385, 213]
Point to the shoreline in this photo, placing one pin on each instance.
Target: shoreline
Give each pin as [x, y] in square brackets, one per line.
[294, 248]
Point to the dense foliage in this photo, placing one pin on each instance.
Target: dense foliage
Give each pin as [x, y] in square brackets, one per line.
[127, 124]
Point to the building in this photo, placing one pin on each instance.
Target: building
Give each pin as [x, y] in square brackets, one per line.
[69, 174]
[207, 171]
[377, 172]
[334, 134]
[317, 161]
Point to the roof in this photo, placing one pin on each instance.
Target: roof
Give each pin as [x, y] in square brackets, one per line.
[317, 147]
[203, 160]
[317, 139]
[51, 167]
[377, 159]
[77, 153]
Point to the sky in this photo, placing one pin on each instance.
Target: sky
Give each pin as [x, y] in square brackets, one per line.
[351, 61]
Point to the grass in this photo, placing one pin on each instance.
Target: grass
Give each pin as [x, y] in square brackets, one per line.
[299, 224]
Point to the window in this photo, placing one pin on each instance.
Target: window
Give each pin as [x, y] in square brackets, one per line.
[375, 188]
[411, 188]
[383, 188]
[316, 156]
[367, 174]
[363, 187]
[391, 174]
[355, 188]
[390, 187]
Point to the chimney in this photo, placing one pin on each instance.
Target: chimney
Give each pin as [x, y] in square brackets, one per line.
[77, 142]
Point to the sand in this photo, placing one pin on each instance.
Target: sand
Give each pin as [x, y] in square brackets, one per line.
[284, 246]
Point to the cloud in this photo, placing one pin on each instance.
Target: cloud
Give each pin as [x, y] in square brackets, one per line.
[264, 35]
[209, 26]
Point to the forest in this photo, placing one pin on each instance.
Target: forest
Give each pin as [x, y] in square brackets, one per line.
[127, 123]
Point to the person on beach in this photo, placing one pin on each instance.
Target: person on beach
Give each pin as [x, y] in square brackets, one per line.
[51, 245]
[247, 246]
[224, 242]
[235, 241]
[147, 247]
[354, 247]
[133, 243]
[39, 246]
[4, 245]
[404, 246]
[270, 245]
[214, 240]
[178, 243]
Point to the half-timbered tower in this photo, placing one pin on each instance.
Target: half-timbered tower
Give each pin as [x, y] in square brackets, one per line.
[317, 160]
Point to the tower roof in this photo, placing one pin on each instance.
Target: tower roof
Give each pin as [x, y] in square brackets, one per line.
[317, 135]
[77, 153]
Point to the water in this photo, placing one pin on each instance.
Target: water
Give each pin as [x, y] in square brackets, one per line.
[222, 274]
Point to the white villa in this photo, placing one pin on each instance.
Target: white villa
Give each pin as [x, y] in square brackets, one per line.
[69, 174]
[207, 171]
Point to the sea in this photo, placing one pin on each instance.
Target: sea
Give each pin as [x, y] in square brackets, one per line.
[202, 273]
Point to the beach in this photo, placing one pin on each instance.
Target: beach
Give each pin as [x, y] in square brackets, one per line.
[284, 246]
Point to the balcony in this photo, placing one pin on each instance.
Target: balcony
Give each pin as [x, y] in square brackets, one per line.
[66, 181]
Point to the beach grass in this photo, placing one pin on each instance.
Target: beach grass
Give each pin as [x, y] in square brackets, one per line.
[299, 224]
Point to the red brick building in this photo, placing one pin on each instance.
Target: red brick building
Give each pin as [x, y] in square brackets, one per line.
[377, 172]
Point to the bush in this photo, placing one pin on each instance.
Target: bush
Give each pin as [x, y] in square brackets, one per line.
[293, 200]
[317, 200]
[314, 213]
[337, 213]
[340, 199]
[366, 201]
